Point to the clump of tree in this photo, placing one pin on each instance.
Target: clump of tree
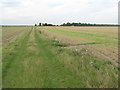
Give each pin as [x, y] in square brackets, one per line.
[85, 24]
[35, 24]
[45, 24]
[75, 24]
[40, 24]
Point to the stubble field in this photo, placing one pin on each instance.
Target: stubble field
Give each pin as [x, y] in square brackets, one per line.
[60, 57]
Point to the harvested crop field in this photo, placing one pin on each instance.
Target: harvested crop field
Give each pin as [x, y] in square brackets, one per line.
[9, 34]
[100, 42]
[60, 57]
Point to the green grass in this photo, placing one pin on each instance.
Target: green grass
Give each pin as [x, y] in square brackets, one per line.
[95, 73]
[58, 44]
[42, 63]
[103, 39]
[90, 43]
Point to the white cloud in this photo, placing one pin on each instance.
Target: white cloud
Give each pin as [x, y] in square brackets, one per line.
[108, 15]
[58, 11]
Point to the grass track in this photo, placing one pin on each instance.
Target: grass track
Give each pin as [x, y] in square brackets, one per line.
[26, 68]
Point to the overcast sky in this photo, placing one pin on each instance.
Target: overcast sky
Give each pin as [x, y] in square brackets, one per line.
[58, 11]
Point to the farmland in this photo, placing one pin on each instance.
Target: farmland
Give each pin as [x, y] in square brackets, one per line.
[60, 57]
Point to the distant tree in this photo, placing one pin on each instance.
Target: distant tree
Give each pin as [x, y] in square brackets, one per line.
[45, 24]
[49, 25]
[35, 24]
[68, 24]
[40, 24]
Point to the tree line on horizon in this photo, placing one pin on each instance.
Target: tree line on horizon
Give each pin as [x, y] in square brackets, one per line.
[45, 24]
[75, 24]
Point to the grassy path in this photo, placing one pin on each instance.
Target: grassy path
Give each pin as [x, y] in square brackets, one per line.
[32, 65]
